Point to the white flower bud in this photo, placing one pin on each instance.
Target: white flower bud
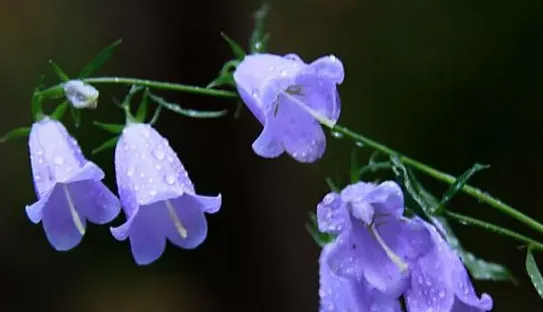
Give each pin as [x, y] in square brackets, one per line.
[81, 95]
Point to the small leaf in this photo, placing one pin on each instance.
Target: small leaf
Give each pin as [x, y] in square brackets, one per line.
[229, 67]
[142, 109]
[187, 112]
[312, 227]
[62, 76]
[58, 113]
[234, 46]
[36, 107]
[534, 273]
[427, 204]
[259, 39]
[76, 116]
[332, 185]
[99, 60]
[459, 183]
[156, 115]
[107, 145]
[15, 134]
[223, 80]
[111, 128]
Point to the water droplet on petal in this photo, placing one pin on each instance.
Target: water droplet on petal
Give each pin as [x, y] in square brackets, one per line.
[158, 167]
[159, 154]
[59, 160]
[145, 133]
[441, 294]
[152, 192]
[136, 187]
[170, 178]
[131, 171]
[68, 169]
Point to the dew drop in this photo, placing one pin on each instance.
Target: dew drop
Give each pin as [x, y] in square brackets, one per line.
[158, 167]
[59, 160]
[359, 144]
[131, 171]
[441, 294]
[69, 169]
[170, 178]
[145, 133]
[283, 72]
[152, 192]
[255, 94]
[133, 146]
[136, 187]
[40, 152]
[159, 154]
[37, 177]
[337, 135]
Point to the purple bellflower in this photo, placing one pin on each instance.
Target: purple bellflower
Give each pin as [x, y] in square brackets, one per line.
[339, 294]
[393, 254]
[158, 198]
[67, 185]
[290, 98]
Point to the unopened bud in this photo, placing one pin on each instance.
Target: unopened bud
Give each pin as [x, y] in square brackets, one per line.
[81, 95]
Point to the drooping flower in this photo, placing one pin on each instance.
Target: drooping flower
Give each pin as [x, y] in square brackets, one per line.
[440, 282]
[339, 294]
[67, 185]
[290, 98]
[396, 255]
[158, 198]
[81, 95]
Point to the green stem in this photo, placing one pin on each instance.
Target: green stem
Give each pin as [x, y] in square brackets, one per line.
[147, 83]
[445, 177]
[494, 228]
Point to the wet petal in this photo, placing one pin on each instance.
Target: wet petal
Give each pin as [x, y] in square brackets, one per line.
[208, 204]
[94, 201]
[63, 226]
[268, 144]
[387, 198]
[329, 67]
[320, 94]
[465, 293]
[301, 134]
[146, 234]
[332, 215]
[347, 255]
[185, 224]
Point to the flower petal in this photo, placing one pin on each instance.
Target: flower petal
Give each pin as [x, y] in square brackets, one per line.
[347, 255]
[387, 199]
[184, 222]
[320, 94]
[268, 143]
[208, 204]
[327, 66]
[146, 233]
[332, 215]
[465, 293]
[301, 134]
[94, 201]
[63, 226]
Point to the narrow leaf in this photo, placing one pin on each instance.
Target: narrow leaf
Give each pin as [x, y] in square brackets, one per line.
[142, 109]
[534, 273]
[15, 134]
[58, 113]
[259, 38]
[459, 183]
[229, 67]
[36, 107]
[62, 76]
[111, 128]
[76, 116]
[99, 60]
[332, 185]
[107, 145]
[234, 46]
[427, 204]
[156, 115]
[187, 112]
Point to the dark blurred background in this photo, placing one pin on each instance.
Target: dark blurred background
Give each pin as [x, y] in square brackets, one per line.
[447, 82]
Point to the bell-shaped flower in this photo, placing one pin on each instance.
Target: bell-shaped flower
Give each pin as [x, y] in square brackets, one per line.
[290, 99]
[440, 283]
[374, 241]
[81, 95]
[339, 294]
[67, 185]
[158, 198]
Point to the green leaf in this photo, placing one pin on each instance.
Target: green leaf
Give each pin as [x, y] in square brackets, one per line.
[259, 39]
[156, 115]
[427, 203]
[223, 80]
[460, 182]
[312, 227]
[107, 145]
[76, 116]
[62, 76]
[111, 128]
[332, 185]
[36, 107]
[15, 134]
[534, 273]
[142, 109]
[187, 112]
[99, 60]
[229, 67]
[58, 113]
[238, 51]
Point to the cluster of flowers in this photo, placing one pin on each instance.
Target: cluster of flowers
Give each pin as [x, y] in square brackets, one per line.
[377, 257]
